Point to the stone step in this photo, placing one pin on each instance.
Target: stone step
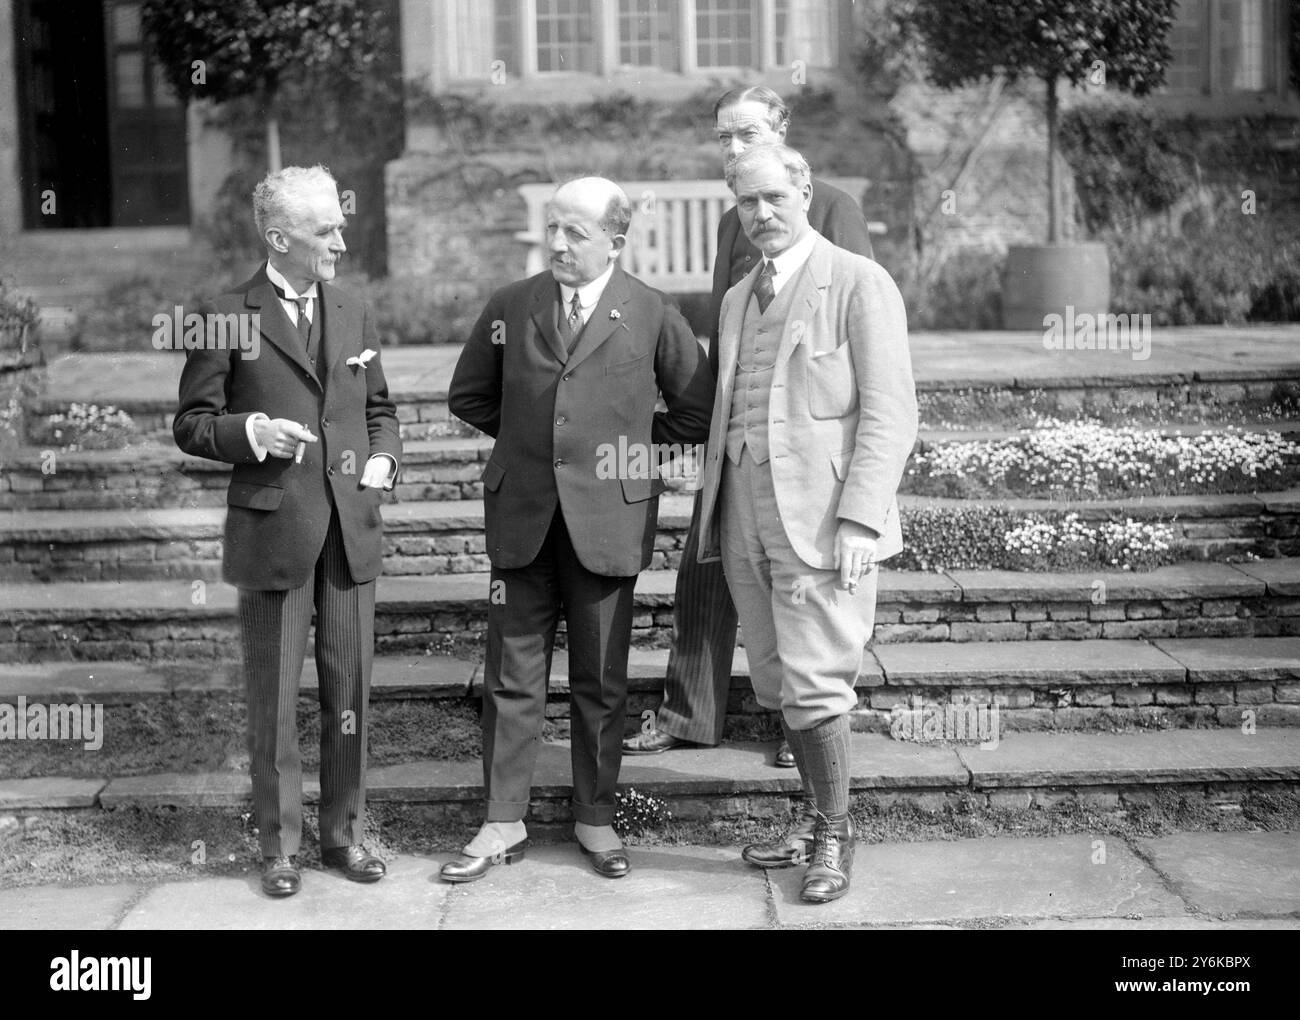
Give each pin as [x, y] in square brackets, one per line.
[1212, 368]
[420, 416]
[171, 618]
[930, 437]
[736, 781]
[1036, 685]
[446, 537]
[154, 473]
[158, 475]
[425, 538]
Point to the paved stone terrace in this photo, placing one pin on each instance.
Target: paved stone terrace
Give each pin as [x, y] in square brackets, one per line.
[1185, 882]
[939, 360]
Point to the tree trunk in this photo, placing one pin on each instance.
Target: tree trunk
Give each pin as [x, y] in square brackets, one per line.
[273, 143]
[1053, 199]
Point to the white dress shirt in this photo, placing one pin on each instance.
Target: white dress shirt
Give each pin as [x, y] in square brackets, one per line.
[786, 266]
[588, 295]
[290, 306]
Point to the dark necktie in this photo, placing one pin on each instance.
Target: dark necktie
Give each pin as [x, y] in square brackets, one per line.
[304, 326]
[571, 326]
[763, 289]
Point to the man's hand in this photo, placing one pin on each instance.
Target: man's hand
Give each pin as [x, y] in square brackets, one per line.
[376, 472]
[682, 474]
[855, 553]
[281, 437]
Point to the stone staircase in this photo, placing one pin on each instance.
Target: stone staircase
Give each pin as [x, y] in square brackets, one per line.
[1107, 685]
[142, 542]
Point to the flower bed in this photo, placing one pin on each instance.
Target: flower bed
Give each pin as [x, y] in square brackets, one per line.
[1090, 460]
[89, 427]
[984, 537]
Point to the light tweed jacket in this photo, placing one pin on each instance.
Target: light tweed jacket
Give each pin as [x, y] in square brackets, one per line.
[842, 418]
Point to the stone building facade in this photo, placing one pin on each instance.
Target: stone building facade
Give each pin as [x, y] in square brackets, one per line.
[523, 91]
[511, 92]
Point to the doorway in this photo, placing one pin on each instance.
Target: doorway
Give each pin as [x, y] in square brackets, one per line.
[103, 139]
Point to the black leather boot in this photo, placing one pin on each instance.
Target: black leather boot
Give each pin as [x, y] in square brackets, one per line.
[827, 877]
[795, 848]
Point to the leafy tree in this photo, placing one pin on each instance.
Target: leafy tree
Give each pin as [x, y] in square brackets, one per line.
[226, 49]
[1120, 43]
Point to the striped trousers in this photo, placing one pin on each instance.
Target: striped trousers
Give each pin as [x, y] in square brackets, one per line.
[273, 629]
[704, 642]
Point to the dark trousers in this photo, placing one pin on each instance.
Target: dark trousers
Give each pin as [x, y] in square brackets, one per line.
[273, 629]
[524, 610]
[704, 642]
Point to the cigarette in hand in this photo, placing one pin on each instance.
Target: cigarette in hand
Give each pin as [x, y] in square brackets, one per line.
[299, 450]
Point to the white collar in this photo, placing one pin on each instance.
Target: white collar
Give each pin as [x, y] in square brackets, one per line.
[788, 263]
[588, 293]
[277, 278]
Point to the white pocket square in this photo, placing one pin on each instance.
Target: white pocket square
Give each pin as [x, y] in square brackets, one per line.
[362, 359]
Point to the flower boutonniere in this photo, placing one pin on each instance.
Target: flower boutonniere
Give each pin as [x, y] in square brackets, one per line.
[363, 359]
[614, 314]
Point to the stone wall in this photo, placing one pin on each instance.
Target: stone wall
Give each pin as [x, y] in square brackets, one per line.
[428, 625]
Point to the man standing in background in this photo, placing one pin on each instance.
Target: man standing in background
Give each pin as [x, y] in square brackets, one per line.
[704, 616]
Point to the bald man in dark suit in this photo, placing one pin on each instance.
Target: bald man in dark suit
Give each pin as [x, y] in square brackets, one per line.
[561, 370]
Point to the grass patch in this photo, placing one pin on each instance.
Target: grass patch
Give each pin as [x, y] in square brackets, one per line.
[95, 846]
[205, 733]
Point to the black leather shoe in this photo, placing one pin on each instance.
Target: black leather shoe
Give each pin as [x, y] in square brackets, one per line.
[470, 869]
[355, 863]
[784, 756]
[654, 742]
[827, 877]
[609, 863]
[795, 848]
[280, 875]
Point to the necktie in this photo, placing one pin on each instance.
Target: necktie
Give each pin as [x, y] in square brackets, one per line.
[572, 325]
[763, 289]
[304, 326]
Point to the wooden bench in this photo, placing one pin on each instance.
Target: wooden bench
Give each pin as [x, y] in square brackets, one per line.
[674, 235]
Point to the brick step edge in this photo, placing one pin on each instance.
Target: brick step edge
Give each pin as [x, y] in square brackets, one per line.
[970, 667]
[421, 404]
[444, 449]
[166, 620]
[1018, 764]
[418, 517]
[1193, 580]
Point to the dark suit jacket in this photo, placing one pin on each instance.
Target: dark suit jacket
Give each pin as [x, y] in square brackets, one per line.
[278, 512]
[557, 418]
[833, 213]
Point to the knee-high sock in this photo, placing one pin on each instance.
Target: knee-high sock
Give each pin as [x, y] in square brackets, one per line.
[796, 748]
[826, 758]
